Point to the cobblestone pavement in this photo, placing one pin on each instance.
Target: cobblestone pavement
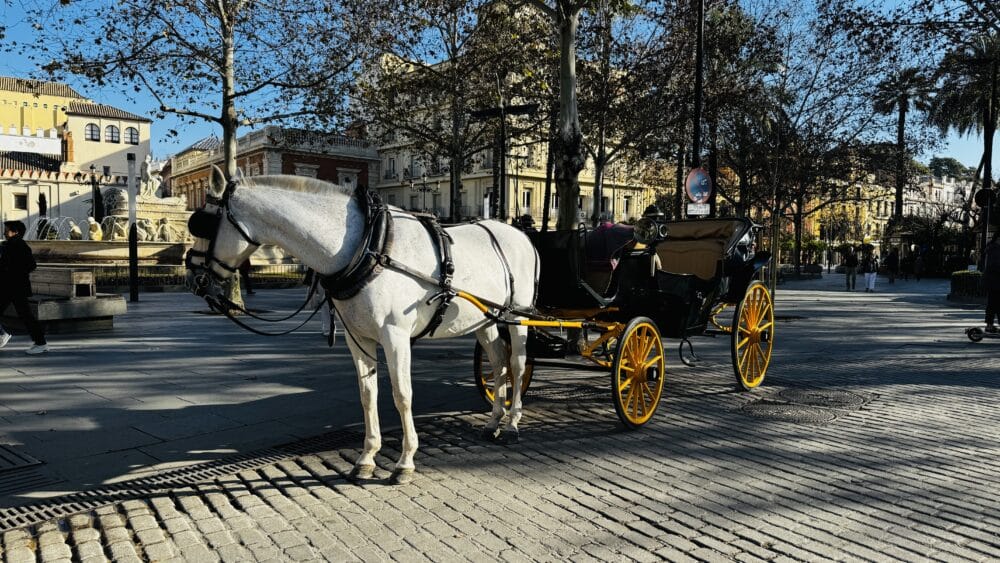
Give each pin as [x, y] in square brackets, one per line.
[874, 438]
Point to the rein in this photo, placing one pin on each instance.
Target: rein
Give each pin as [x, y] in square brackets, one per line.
[224, 306]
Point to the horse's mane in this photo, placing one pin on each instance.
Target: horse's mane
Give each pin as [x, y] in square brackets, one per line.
[296, 184]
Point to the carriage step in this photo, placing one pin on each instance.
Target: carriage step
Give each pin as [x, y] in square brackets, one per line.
[713, 332]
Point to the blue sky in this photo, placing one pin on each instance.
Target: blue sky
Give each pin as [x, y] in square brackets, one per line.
[966, 150]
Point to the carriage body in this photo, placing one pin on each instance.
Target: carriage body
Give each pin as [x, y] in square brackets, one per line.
[629, 289]
[702, 265]
[678, 281]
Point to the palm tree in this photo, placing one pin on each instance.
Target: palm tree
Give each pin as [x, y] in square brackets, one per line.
[899, 92]
[968, 94]
[969, 88]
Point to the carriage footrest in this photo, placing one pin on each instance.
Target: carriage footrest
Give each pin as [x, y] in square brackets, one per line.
[713, 332]
[543, 345]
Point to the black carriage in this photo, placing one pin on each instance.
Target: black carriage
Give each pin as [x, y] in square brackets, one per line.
[632, 287]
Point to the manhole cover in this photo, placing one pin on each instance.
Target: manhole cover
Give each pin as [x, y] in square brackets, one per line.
[789, 413]
[830, 398]
[10, 458]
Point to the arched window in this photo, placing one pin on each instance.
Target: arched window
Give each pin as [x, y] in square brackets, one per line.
[93, 132]
[132, 135]
[112, 134]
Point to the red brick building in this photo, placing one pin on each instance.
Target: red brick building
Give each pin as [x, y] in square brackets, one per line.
[275, 150]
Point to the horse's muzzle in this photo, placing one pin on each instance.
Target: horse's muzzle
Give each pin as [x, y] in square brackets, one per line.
[199, 282]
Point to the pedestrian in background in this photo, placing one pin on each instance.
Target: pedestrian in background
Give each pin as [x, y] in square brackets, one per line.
[851, 267]
[869, 267]
[16, 264]
[918, 267]
[991, 281]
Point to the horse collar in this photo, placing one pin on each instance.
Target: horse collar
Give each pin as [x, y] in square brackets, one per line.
[376, 243]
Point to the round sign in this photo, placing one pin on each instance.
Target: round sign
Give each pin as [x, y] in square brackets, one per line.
[985, 198]
[698, 185]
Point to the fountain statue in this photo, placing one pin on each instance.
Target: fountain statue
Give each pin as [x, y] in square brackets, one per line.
[94, 231]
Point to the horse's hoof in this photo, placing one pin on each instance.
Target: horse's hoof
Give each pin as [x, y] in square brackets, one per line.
[489, 434]
[362, 472]
[509, 436]
[401, 476]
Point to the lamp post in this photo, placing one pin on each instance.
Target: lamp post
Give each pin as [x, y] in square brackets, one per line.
[97, 203]
[133, 235]
[424, 188]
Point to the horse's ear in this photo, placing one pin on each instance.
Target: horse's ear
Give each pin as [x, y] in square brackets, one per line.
[218, 183]
[239, 174]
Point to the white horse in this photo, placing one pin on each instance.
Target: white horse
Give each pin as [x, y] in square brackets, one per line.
[323, 225]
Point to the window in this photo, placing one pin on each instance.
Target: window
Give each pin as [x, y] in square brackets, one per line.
[21, 201]
[526, 199]
[132, 135]
[626, 206]
[555, 200]
[92, 132]
[112, 134]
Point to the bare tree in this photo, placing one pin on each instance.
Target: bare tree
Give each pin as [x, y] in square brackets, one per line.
[229, 62]
[452, 58]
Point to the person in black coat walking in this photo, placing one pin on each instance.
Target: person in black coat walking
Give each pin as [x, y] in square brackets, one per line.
[16, 263]
[991, 281]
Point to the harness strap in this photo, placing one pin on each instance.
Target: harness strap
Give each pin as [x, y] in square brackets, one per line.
[443, 241]
[503, 262]
[365, 265]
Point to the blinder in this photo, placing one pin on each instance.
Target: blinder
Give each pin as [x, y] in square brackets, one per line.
[203, 224]
[206, 224]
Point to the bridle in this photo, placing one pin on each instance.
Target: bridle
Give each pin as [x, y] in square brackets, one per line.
[205, 224]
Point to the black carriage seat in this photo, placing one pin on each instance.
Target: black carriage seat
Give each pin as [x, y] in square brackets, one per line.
[700, 247]
[691, 271]
[576, 268]
[603, 248]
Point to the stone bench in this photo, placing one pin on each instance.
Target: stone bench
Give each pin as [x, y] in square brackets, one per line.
[66, 300]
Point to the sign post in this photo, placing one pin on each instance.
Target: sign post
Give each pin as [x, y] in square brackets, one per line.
[698, 187]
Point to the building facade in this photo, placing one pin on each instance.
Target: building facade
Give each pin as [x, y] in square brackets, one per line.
[274, 150]
[417, 182]
[54, 144]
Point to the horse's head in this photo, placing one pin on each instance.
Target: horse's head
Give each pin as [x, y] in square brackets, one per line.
[221, 242]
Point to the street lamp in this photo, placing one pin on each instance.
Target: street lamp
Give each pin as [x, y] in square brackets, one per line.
[97, 205]
[424, 188]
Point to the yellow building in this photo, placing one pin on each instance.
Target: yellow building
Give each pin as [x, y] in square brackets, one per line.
[53, 140]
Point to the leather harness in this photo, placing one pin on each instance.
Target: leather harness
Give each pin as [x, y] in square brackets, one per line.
[372, 257]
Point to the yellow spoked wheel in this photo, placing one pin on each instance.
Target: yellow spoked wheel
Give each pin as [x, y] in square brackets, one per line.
[484, 375]
[637, 372]
[753, 336]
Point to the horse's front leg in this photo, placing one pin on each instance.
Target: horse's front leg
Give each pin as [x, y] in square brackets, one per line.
[518, 361]
[496, 351]
[364, 351]
[396, 343]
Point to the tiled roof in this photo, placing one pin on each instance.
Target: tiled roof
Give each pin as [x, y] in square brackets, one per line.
[101, 110]
[10, 160]
[28, 86]
[209, 143]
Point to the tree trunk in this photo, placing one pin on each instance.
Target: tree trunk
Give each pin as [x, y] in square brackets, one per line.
[230, 126]
[455, 167]
[897, 212]
[679, 180]
[569, 155]
[799, 218]
[713, 167]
